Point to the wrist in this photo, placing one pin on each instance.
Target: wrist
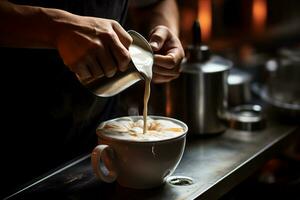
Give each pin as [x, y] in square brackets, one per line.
[59, 21]
[161, 18]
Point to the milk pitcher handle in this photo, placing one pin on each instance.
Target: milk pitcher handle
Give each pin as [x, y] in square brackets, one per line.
[103, 163]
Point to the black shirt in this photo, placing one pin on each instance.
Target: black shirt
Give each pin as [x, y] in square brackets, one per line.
[48, 116]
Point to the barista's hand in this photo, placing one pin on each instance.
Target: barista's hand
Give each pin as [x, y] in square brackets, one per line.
[168, 54]
[93, 47]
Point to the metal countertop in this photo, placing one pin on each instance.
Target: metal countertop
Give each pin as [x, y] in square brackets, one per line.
[216, 164]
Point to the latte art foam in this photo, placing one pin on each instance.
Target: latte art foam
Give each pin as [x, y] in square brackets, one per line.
[127, 129]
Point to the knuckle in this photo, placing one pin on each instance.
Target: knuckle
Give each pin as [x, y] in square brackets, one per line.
[95, 44]
[124, 60]
[114, 22]
[108, 35]
[157, 37]
[173, 61]
[182, 54]
[160, 27]
[130, 39]
[126, 56]
[111, 72]
[180, 61]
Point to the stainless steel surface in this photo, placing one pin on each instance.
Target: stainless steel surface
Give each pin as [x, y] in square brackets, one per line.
[105, 87]
[205, 95]
[248, 117]
[215, 165]
[239, 88]
[282, 84]
[199, 96]
[290, 111]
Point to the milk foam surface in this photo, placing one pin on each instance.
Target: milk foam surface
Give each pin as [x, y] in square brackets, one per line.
[127, 129]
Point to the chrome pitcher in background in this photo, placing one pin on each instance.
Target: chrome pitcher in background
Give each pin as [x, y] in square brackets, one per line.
[199, 95]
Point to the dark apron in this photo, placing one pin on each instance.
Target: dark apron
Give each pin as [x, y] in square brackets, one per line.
[48, 116]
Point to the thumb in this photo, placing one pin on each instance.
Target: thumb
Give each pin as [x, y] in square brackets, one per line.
[158, 37]
[155, 45]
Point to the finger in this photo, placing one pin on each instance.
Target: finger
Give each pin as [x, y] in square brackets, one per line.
[168, 61]
[124, 37]
[157, 78]
[120, 53]
[158, 37]
[106, 60]
[94, 66]
[166, 72]
[82, 71]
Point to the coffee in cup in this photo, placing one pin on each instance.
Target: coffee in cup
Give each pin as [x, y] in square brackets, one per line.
[138, 160]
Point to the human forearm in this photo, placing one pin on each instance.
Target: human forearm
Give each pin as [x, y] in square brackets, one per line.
[164, 12]
[29, 26]
[91, 47]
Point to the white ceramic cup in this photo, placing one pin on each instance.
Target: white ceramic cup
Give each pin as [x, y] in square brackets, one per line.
[137, 164]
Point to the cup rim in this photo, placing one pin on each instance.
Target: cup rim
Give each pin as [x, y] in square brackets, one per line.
[185, 127]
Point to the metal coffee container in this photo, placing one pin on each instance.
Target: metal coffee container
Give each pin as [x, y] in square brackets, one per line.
[105, 87]
[199, 95]
[205, 94]
[239, 87]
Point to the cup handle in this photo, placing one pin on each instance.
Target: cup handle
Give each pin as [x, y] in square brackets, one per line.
[103, 163]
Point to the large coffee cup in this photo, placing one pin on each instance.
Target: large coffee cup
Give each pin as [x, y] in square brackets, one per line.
[138, 161]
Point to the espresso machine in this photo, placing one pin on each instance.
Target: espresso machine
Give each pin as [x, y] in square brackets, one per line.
[199, 96]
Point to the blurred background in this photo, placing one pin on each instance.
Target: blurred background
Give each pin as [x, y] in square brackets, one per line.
[230, 25]
[262, 39]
